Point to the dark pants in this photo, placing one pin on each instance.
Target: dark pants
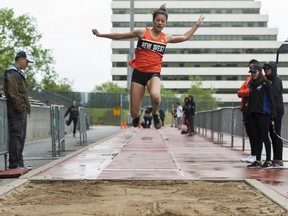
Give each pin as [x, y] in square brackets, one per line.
[277, 143]
[17, 134]
[260, 126]
[186, 122]
[74, 124]
[249, 133]
[191, 123]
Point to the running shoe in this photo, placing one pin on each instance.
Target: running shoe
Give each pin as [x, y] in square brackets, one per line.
[254, 165]
[245, 159]
[251, 159]
[136, 121]
[157, 121]
[267, 165]
[277, 164]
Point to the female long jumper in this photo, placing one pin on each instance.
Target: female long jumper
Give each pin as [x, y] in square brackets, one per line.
[148, 60]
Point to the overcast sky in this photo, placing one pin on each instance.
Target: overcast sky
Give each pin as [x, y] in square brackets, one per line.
[81, 57]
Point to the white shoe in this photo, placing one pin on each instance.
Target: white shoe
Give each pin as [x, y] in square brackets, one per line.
[245, 159]
[251, 159]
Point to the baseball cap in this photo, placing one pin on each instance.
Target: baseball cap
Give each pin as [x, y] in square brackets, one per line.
[255, 68]
[22, 54]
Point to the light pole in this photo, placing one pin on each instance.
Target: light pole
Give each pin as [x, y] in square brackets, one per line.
[129, 57]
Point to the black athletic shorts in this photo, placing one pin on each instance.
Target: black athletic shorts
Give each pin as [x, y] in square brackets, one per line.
[142, 78]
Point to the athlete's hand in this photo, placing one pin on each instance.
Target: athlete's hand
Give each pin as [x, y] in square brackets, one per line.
[95, 32]
[200, 20]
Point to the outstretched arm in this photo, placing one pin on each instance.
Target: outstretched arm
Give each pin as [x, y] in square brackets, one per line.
[118, 36]
[186, 35]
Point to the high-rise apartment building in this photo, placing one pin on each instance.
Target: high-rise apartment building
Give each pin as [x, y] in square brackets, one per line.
[233, 33]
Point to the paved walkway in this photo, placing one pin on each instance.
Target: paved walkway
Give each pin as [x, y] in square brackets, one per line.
[165, 154]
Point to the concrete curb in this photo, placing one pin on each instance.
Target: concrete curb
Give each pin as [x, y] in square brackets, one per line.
[268, 192]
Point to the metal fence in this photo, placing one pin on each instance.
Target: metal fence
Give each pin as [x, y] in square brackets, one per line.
[57, 113]
[4, 136]
[229, 121]
[110, 100]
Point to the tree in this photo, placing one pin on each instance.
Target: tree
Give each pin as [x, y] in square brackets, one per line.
[203, 97]
[21, 33]
[167, 92]
[109, 87]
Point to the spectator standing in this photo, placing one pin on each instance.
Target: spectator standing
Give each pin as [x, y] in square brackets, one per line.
[179, 114]
[162, 116]
[147, 119]
[270, 69]
[244, 94]
[185, 116]
[261, 109]
[173, 116]
[18, 106]
[73, 112]
[191, 108]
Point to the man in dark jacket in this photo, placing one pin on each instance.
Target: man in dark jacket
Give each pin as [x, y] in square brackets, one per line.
[270, 69]
[18, 106]
[73, 112]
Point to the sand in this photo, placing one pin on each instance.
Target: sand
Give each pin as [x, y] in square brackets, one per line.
[137, 198]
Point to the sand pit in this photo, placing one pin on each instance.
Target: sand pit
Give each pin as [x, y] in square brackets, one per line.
[137, 198]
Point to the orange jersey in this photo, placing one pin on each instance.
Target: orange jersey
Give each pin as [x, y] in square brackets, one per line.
[149, 53]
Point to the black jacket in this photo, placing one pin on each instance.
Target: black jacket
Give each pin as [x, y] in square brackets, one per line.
[261, 98]
[277, 87]
[189, 108]
[73, 111]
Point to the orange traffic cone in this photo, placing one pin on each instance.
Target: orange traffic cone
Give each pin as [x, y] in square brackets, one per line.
[121, 126]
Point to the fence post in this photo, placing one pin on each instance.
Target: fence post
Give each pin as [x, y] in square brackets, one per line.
[4, 134]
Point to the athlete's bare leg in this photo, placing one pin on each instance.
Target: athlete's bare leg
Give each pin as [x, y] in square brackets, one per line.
[154, 87]
[136, 96]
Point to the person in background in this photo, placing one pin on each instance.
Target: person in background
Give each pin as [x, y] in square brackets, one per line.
[147, 119]
[18, 106]
[179, 114]
[73, 112]
[185, 117]
[261, 109]
[162, 116]
[148, 61]
[173, 116]
[270, 69]
[191, 108]
[244, 94]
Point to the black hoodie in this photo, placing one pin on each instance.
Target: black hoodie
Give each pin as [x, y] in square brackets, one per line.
[277, 86]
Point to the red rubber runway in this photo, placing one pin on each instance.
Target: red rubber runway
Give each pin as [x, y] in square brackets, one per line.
[165, 154]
